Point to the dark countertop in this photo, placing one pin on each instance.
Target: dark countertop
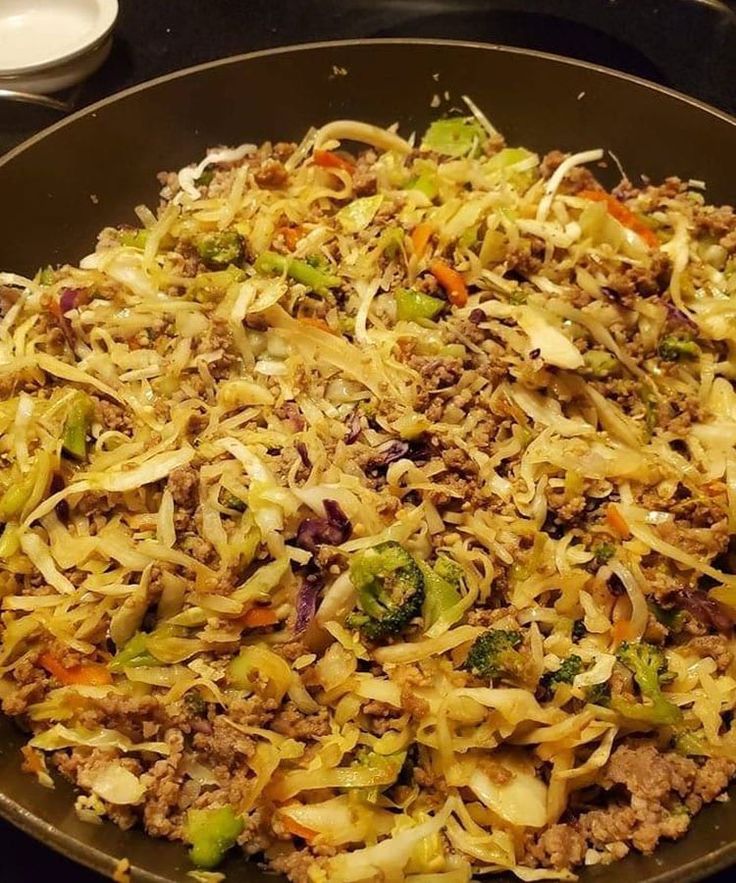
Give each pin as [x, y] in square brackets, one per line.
[661, 41]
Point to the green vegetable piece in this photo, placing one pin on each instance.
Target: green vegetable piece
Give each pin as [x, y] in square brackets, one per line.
[441, 588]
[230, 501]
[319, 281]
[359, 213]
[134, 238]
[692, 744]
[29, 487]
[390, 241]
[317, 261]
[195, 703]
[678, 349]
[390, 590]
[454, 136]
[212, 286]
[239, 670]
[599, 363]
[388, 763]
[205, 179]
[449, 571]
[9, 542]
[251, 543]
[134, 654]
[649, 665]
[220, 250]
[509, 156]
[46, 276]
[494, 654]
[469, 237]
[425, 183]
[212, 832]
[411, 306]
[518, 297]
[651, 409]
[77, 426]
[673, 618]
[16, 497]
[565, 674]
[604, 552]
[599, 694]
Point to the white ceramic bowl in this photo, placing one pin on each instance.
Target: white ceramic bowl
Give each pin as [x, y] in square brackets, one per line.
[48, 45]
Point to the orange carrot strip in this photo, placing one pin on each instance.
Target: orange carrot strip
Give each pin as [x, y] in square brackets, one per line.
[329, 160]
[420, 238]
[316, 323]
[297, 829]
[617, 522]
[622, 631]
[259, 617]
[291, 235]
[451, 281]
[89, 673]
[622, 214]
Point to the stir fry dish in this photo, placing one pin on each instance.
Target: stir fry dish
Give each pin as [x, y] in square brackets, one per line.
[367, 510]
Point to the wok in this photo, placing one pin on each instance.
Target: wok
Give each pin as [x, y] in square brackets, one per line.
[61, 187]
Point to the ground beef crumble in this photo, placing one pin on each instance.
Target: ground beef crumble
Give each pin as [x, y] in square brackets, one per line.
[653, 796]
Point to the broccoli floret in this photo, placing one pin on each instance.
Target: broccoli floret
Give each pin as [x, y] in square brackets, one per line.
[600, 364]
[219, 250]
[672, 618]
[649, 665]
[599, 694]
[390, 590]
[604, 552]
[678, 349]
[565, 674]
[494, 654]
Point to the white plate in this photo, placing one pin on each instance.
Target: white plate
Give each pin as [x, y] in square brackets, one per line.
[48, 44]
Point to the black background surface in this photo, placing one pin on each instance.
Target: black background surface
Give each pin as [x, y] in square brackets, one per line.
[689, 45]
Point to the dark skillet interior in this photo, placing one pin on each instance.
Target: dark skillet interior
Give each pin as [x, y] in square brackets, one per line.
[60, 189]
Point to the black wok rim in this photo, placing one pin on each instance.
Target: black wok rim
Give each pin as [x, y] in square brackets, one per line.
[337, 44]
[105, 863]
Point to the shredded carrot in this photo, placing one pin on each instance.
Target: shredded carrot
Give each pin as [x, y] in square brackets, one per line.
[617, 522]
[451, 281]
[622, 214]
[329, 160]
[291, 235]
[420, 238]
[89, 673]
[259, 617]
[316, 323]
[297, 829]
[622, 631]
